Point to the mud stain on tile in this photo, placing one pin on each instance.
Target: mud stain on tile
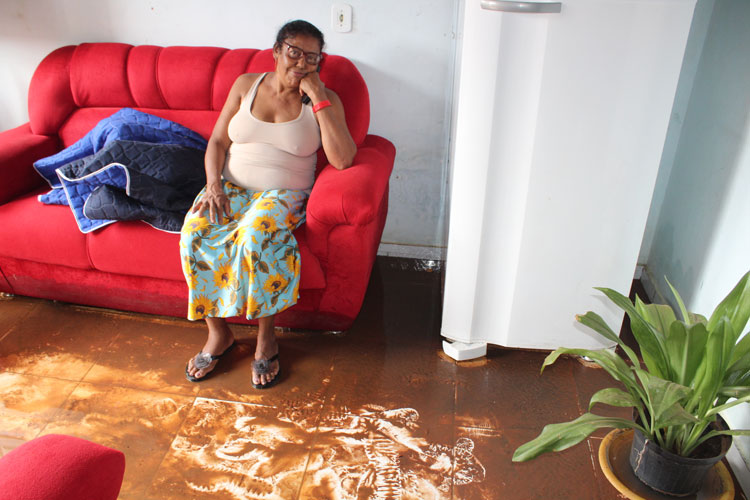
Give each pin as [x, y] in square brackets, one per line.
[27, 404]
[230, 450]
[138, 423]
[379, 453]
[149, 358]
[60, 365]
[149, 379]
[56, 342]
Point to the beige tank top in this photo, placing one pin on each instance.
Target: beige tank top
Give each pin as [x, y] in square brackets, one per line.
[266, 155]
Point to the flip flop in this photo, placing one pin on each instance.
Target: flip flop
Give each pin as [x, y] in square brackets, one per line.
[263, 367]
[202, 360]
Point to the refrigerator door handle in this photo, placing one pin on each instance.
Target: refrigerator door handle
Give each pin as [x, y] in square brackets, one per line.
[522, 7]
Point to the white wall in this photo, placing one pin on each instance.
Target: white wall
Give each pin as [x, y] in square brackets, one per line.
[693, 51]
[702, 239]
[404, 50]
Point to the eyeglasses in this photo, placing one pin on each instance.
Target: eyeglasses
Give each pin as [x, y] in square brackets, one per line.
[295, 53]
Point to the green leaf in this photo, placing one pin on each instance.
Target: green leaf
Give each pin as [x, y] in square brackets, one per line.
[709, 435]
[657, 315]
[685, 350]
[202, 266]
[649, 339]
[263, 267]
[741, 355]
[741, 398]
[612, 364]
[613, 397]
[728, 432]
[735, 392]
[662, 394]
[683, 310]
[713, 363]
[697, 318]
[558, 437]
[735, 306]
[673, 416]
[597, 323]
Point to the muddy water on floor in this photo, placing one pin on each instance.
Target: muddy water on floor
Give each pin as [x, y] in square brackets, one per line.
[246, 451]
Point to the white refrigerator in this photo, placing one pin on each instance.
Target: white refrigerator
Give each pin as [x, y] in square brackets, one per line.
[560, 115]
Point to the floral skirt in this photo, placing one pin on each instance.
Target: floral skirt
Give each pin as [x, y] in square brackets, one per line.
[249, 264]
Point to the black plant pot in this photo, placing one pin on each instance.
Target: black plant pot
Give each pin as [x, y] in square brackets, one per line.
[672, 474]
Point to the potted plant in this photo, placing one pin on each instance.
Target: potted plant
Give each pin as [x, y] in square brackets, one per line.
[692, 367]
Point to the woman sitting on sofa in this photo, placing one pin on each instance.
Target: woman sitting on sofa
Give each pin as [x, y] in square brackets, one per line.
[237, 248]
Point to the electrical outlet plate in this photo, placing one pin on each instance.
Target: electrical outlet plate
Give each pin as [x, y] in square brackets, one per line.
[341, 17]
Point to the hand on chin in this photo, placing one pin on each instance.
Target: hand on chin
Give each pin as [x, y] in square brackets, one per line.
[295, 77]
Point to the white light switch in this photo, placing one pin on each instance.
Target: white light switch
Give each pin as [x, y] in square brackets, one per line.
[341, 17]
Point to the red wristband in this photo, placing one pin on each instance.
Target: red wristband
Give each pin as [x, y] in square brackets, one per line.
[321, 105]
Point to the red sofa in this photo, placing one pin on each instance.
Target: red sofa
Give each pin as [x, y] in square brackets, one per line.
[132, 266]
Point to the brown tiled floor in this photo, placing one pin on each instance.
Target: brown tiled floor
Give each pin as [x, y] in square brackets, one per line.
[377, 413]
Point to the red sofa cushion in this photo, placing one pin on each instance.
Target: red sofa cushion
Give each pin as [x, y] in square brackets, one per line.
[59, 467]
[42, 233]
[105, 64]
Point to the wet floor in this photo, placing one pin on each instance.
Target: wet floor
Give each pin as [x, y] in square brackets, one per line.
[377, 413]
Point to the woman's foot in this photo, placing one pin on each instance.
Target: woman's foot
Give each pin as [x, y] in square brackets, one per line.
[266, 366]
[220, 341]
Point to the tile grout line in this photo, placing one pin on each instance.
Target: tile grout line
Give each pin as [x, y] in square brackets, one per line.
[101, 353]
[21, 319]
[58, 410]
[317, 429]
[169, 447]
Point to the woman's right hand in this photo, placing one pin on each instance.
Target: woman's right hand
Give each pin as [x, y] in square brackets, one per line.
[216, 201]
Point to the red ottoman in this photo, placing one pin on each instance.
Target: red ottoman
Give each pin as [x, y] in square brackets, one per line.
[58, 467]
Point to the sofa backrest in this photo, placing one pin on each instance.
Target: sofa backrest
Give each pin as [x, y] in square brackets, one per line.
[76, 86]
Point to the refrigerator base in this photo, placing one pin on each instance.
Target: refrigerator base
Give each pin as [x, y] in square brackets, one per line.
[461, 351]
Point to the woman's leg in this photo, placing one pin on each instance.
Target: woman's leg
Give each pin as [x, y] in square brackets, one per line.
[220, 337]
[266, 348]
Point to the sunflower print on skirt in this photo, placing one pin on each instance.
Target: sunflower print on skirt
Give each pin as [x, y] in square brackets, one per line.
[249, 264]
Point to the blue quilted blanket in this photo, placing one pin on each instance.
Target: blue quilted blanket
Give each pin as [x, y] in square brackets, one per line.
[129, 124]
[131, 165]
[132, 180]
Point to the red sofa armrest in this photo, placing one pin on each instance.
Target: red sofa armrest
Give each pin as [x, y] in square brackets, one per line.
[353, 196]
[19, 149]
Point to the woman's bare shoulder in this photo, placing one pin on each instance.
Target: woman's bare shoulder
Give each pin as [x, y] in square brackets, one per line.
[243, 82]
